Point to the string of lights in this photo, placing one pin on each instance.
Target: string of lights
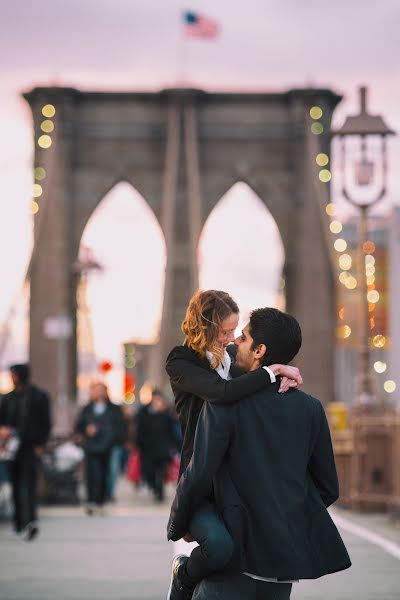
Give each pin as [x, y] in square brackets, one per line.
[44, 141]
[345, 262]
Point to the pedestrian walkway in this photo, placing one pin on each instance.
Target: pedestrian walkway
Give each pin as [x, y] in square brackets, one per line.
[124, 556]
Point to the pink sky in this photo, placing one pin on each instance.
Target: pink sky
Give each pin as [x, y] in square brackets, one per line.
[129, 44]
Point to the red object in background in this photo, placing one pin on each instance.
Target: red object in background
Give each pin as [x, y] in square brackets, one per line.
[133, 469]
[172, 473]
[105, 366]
[129, 384]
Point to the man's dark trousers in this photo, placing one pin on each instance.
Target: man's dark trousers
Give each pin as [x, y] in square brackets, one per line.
[96, 477]
[23, 474]
[241, 587]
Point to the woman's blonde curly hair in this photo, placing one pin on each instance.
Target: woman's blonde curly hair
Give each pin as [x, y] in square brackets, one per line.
[206, 311]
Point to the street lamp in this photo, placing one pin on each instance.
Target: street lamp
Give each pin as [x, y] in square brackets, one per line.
[82, 268]
[368, 174]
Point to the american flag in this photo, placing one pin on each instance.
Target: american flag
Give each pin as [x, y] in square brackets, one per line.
[199, 26]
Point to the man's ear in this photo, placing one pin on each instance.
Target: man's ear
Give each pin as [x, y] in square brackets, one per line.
[260, 351]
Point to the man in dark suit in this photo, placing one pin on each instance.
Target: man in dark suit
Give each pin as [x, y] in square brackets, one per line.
[98, 427]
[25, 423]
[269, 463]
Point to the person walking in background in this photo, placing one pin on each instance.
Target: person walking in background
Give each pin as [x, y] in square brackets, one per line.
[24, 431]
[117, 451]
[156, 440]
[95, 425]
[203, 369]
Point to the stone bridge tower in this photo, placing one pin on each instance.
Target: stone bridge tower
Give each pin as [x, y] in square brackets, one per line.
[182, 149]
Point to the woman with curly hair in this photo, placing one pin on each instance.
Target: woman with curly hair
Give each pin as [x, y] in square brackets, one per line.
[200, 370]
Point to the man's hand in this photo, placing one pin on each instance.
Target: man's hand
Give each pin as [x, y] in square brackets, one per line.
[291, 377]
[188, 538]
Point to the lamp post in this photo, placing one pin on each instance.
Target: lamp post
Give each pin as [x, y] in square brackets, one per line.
[82, 268]
[371, 175]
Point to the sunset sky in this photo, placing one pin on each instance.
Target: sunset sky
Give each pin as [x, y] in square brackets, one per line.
[134, 45]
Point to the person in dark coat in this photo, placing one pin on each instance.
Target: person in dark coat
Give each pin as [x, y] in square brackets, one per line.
[270, 462]
[96, 426]
[203, 370]
[156, 441]
[117, 451]
[24, 424]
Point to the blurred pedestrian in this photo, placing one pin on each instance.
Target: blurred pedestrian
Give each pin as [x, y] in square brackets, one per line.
[95, 425]
[156, 441]
[24, 431]
[117, 451]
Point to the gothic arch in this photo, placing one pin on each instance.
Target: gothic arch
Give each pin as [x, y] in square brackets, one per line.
[182, 149]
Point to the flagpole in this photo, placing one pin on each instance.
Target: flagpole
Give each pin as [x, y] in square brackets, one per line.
[183, 62]
[182, 56]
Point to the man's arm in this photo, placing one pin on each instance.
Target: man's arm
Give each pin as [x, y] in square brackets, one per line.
[189, 377]
[210, 446]
[322, 461]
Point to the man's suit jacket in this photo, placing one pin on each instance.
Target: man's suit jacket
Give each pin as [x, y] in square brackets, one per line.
[193, 382]
[270, 461]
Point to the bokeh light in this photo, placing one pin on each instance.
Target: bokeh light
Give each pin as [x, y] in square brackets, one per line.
[373, 296]
[40, 173]
[34, 207]
[380, 366]
[47, 126]
[369, 259]
[369, 247]
[345, 262]
[369, 270]
[343, 332]
[379, 341]
[37, 190]
[389, 386]
[317, 128]
[316, 112]
[340, 245]
[44, 141]
[48, 111]
[322, 159]
[351, 282]
[325, 175]
[330, 209]
[336, 227]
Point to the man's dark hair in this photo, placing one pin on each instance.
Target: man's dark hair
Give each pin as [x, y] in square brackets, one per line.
[280, 333]
[22, 371]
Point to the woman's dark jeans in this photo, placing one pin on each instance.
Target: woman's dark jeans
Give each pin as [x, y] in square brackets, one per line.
[215, 543]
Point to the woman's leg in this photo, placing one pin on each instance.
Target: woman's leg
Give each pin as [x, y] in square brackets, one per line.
[215, 543]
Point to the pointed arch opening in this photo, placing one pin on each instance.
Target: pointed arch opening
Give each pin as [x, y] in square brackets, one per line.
[120, 294]
[241, 251]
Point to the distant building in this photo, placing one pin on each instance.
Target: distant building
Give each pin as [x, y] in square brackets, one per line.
[394, 305]
[348, 294]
